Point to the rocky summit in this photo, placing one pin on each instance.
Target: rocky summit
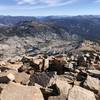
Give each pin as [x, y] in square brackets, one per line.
[59, 77]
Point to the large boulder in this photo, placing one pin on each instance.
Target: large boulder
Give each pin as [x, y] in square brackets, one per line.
[63, 87]
[92, 84]
[79, 93]
[18, 92]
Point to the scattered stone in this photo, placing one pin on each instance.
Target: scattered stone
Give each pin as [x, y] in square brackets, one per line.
[59, 77]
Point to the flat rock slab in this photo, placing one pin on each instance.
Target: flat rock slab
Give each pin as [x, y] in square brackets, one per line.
[79, 93]
[15, 91]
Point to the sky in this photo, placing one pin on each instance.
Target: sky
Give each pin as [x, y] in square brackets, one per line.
[49, 7]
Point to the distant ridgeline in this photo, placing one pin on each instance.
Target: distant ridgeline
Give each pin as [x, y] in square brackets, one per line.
[67, 28]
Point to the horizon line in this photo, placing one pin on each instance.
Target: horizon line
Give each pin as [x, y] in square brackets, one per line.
[50, 15]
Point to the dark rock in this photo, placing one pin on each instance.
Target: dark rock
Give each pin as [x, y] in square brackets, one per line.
[81, 76]
[44, 79]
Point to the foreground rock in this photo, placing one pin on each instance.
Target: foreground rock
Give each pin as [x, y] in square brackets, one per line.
[18, 92]
[78, 93]
[63, 87]
[92, 84]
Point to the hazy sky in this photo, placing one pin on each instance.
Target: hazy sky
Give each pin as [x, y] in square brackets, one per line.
[49, 7]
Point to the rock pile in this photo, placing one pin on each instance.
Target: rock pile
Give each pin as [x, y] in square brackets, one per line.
[60, 77]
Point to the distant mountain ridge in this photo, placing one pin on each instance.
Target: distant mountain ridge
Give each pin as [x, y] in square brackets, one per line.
[11, 20]
[87, 27]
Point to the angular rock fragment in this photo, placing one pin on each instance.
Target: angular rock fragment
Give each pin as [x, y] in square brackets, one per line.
[19, 92]
[92, 84]
[79, 93]
[6, 77]
[44, 79]
[22, 78]
[94, 73]
[63, 87]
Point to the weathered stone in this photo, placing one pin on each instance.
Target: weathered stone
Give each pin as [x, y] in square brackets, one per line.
[44, 79]
[94, 73]
[36, 64]
[46, 64]
[15, 65]
[67, 78]
[79, 93]
[39, 63]
[18, 92]
[11, 76]
[2, 63]
[6, 77]
[22, 78]
[63, 87]
[92, 84]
